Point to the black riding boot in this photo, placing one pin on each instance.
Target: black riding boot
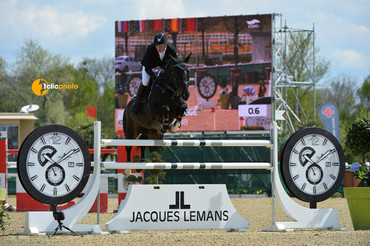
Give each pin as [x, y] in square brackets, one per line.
[139, 97]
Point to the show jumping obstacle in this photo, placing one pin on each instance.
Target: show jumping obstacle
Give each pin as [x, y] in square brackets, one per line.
[43, 222]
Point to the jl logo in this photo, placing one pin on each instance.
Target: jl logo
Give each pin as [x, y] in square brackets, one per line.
[38, 87]
[180, 201]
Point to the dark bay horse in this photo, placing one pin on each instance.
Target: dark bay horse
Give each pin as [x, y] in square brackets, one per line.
[164, 108]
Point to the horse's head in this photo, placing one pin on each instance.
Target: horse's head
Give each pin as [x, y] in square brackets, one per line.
[178, 76]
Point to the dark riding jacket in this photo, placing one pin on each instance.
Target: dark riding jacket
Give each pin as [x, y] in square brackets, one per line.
[151, 58]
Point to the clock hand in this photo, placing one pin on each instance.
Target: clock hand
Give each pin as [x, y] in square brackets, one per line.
[308, 158]
[67, 155]
[329, 152]
[313, 170]
[47, 157]
[55, 174]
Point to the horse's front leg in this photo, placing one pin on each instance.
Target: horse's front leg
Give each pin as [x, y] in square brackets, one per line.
[180, 113]
[166, 119]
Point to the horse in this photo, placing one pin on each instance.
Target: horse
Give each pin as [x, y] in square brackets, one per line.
[165, 104]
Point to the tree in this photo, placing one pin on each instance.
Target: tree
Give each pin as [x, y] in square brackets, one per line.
[235, 25]
[364, 93]
[33, 62]
[341, 92]
[101, 71]
[302, 59]
[106, 111]
[357, 139]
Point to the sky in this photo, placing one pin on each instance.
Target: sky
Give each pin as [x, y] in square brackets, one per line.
[85, 28]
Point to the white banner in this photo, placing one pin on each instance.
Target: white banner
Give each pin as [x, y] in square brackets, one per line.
[176, 207]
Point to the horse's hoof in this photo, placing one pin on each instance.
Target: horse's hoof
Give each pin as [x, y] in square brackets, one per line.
[175, 127]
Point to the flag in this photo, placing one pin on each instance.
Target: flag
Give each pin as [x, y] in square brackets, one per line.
[157, 25]
[91, 112]
[122, 26]
[329, 115]
[190, 25]
[141, 26]
[175, 25]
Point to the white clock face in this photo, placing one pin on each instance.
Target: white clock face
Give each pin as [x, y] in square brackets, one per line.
[314, 164]
[55, 164]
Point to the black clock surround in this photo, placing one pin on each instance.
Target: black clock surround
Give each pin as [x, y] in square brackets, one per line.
[59, 165]
[315, 157]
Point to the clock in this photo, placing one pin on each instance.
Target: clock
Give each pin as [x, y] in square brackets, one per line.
[53, 164]
[207, 86]
[312, 164]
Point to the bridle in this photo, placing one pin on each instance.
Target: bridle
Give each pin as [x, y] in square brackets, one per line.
[167, 89]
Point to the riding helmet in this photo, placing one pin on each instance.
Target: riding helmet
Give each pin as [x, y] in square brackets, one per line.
[160, 39]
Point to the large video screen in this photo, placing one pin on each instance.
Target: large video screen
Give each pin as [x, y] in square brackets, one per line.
[230, 68]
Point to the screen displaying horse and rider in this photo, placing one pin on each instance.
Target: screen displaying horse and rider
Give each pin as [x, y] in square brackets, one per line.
[194, 74]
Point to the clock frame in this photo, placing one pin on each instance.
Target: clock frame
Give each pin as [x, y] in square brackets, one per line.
[312, 164]
[53, 164]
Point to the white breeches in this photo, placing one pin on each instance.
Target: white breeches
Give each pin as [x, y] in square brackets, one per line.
[145, 77]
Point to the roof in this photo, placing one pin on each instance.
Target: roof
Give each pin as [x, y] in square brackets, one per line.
[17, 116]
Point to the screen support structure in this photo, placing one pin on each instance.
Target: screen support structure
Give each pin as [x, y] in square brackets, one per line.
[286, 50]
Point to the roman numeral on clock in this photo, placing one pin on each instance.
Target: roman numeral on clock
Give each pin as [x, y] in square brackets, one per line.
[295, 177]
[43, 187]
[55, 192]
[303, 142]
[324, 142]
[76, 178]
[67, 187]
[33, 177]
[68, 140]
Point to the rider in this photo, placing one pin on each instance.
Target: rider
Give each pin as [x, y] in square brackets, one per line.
[157, 55]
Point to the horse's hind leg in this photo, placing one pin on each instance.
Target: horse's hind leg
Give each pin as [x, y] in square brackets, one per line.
[130, 130]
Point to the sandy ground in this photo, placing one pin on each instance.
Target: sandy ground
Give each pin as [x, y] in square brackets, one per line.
[256, 210]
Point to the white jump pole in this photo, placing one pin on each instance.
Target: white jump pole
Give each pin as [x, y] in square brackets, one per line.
[192, 142]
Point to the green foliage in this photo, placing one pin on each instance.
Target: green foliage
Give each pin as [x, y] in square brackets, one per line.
[364, 93]
[156, 176]
[106, 111]
[3, 216]
[86, 131]
[357, 139]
